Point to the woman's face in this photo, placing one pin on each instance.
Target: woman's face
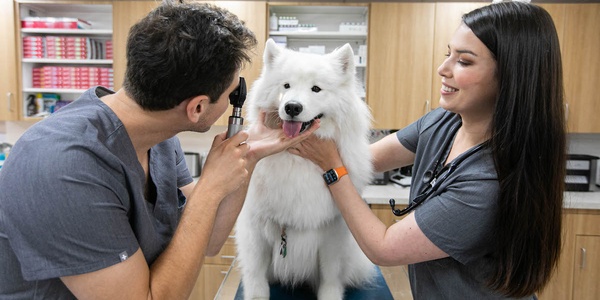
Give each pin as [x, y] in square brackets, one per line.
[469, 83]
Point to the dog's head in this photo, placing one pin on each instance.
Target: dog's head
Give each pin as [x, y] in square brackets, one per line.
[297, 88]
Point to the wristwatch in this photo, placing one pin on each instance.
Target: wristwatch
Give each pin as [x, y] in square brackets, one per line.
[332, 176]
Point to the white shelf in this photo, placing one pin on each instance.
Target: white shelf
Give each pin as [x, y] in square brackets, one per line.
[68, 31]
[56, 91]
[320, 34]
[68, 61]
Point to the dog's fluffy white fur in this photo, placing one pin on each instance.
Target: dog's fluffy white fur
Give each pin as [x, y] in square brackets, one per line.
[287, 192]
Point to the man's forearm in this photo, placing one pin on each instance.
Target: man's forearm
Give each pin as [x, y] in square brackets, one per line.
[174, 273]
[227, 214]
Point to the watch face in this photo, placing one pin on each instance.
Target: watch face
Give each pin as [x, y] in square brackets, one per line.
[330, 177]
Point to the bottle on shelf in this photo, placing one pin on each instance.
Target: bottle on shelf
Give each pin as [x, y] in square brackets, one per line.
[39, 103]
[31, 106]
[273, 22]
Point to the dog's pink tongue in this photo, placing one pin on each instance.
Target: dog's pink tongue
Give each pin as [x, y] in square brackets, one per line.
[291, 129]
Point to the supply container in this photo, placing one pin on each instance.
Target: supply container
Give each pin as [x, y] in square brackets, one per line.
[581, 172]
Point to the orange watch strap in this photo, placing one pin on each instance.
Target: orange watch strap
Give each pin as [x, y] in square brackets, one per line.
[341, 171]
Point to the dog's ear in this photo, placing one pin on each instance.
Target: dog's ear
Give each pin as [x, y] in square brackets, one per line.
[272, 50]
[345, 56]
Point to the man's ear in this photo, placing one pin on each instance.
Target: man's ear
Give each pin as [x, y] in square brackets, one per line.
[196, 107]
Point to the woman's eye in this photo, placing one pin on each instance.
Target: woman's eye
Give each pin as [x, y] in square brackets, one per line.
[286, 86]
[316, 89]
[463, 63]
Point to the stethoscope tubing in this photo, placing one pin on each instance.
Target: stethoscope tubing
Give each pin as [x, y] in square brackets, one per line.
[434, 182]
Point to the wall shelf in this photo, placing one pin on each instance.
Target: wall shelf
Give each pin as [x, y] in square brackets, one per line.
[68, 61]
[320, 34]
[68, 31]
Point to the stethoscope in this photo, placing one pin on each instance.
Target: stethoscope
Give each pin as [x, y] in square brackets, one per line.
[433, 181]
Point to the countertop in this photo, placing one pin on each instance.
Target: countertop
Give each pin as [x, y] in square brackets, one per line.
[381, 194]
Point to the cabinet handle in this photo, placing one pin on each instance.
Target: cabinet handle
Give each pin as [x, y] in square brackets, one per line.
[583, 258]
[227, 257]
[566, 112]
[427, 106]
[223, 272]
[9, 98]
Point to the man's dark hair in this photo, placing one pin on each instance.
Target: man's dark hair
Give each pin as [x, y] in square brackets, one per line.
[179, 51]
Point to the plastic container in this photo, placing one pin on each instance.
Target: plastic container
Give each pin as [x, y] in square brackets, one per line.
[273, 22]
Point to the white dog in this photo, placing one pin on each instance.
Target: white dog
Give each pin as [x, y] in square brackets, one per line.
[289, 230]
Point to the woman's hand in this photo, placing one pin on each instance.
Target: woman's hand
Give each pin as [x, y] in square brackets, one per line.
[265, 141]
[322, 152]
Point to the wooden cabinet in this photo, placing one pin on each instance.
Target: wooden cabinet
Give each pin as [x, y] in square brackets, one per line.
[384, 213]
[9, 104]
[587, 267]
[579, 266]
[400, 53]
[213, 272]
[581, 66]
[408, 41]
[254, 14]
[127, 13]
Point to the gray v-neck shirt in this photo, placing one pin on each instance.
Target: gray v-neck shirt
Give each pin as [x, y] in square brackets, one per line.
[72, 199]
[458, 218]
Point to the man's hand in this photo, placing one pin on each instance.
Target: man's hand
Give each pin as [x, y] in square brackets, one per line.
[265, 141]
[225, 168]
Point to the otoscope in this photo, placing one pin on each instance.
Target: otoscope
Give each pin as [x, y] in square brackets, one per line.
[237, 98]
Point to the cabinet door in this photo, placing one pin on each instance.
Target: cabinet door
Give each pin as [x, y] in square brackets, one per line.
[199, 288]
[213, 277]
[581, 66]
[254, 14]
[8, 58]
[385, 215]
[400, 64]
[587, 268]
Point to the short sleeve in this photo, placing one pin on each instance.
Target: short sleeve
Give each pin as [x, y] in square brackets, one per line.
[46, 224]
[409, 136]
[183, 173]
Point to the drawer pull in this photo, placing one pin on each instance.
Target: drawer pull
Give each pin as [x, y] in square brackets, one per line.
[9, 99]
[223, 272]
[227, 257]
[583, 258]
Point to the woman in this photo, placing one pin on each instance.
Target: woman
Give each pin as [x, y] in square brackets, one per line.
[490, 226]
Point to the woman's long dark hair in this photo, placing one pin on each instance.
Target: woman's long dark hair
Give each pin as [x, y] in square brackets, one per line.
[528, 143]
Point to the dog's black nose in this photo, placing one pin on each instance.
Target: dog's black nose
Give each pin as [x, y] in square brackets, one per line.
[293, 108]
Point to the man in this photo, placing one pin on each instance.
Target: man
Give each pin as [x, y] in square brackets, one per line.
[97, 201]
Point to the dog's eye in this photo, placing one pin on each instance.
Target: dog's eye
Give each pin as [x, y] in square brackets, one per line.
[316, 89]
[286, 86]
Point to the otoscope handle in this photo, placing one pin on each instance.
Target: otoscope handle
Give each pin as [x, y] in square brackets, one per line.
[235, 125]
